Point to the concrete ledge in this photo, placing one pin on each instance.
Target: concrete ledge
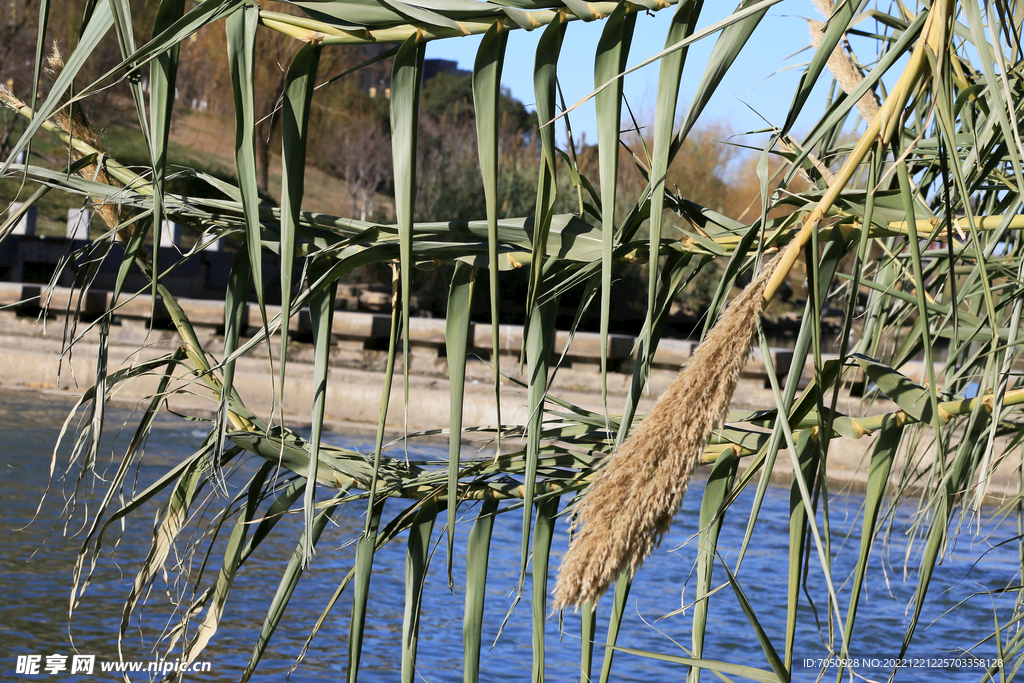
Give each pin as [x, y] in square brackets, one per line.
[426, 335]
[32, 360]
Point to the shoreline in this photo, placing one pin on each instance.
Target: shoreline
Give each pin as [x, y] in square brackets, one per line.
[846, 472]
[29, 361]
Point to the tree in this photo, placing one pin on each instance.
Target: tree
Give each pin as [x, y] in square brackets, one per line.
[356, 147]
[912, 230]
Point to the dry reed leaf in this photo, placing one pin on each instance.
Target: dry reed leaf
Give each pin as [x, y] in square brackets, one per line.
[633, 499]
[72, 119]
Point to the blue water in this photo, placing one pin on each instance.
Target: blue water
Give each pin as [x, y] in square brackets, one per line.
[36, 563]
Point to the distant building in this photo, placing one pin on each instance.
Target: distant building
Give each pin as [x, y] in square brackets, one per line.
[433, 67]
[376, 80]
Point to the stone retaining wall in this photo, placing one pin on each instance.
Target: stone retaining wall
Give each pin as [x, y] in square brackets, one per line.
[355, 333]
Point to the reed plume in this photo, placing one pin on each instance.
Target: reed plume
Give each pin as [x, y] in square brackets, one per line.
[841, 63]
[631, 503]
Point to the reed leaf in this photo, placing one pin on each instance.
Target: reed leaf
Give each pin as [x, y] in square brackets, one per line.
[487, 69]
[240, 28]
[609, 62]
[808, 456]
[417, 558]
[547, 509]
[405, 96]
[286, 588]
[711, 514]
[460, 301]
[618, 608]
[544, 74]
[478, 550]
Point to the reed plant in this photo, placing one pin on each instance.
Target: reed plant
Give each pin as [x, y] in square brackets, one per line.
[912, 230]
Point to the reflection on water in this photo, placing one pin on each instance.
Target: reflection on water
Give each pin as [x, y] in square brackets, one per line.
[37, 561]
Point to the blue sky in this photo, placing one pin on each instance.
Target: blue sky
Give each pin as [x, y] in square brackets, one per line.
[760, 83]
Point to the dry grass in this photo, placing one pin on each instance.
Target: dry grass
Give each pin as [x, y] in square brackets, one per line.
[632, 501]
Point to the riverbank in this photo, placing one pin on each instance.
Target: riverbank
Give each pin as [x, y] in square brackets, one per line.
[32, 359]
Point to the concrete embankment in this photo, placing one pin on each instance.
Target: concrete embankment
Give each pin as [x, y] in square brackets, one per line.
[33, 356]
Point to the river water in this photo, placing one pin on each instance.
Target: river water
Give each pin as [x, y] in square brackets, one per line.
[36, 561]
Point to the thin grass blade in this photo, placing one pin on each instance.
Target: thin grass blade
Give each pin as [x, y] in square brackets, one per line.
[367, 543]
[233, 556]
[545, 70]
[807, 452]
[184, 493]
[588, 632]
[886, 444]
[732, 40]
[235, 319]
[683, 22]
[94, 30]
[622, 586]
[241, 40]
[539, 349]
[285, 590]
[781, 670]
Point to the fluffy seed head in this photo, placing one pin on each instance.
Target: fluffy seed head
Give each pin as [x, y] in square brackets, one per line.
[8, 98]
[631, 503]
[846, 73]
